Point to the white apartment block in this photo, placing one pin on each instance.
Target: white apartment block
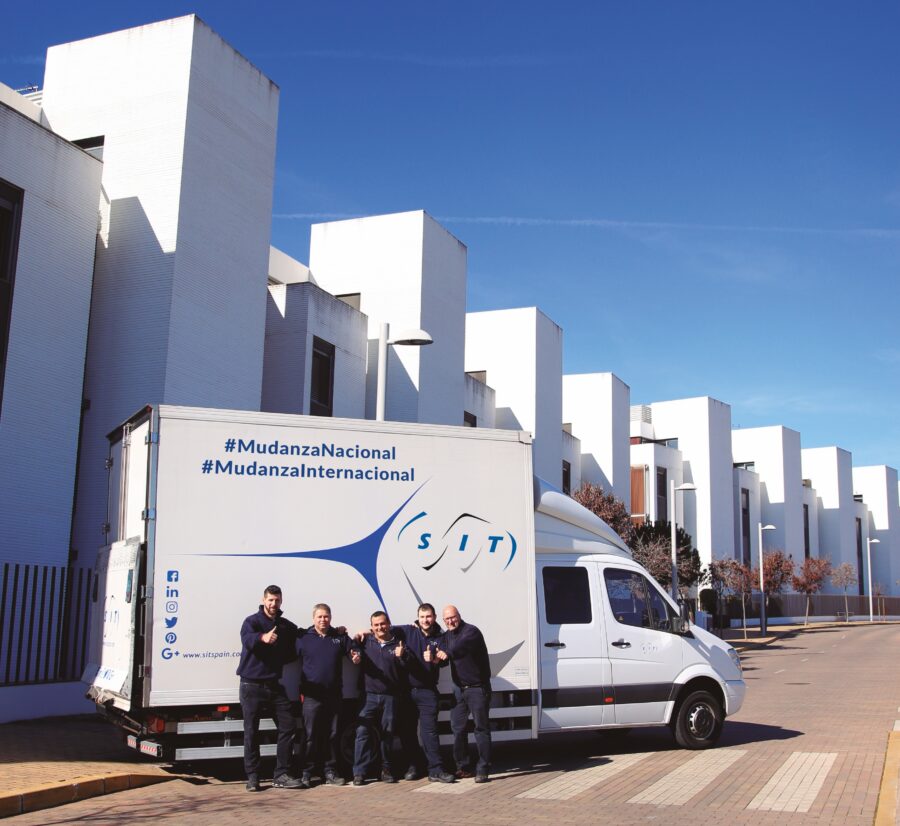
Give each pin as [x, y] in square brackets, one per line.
[315, 352]
[49, 190]
[700, 429]
[878, 487]
[654, 465]
[187, 130]
[405, 270]
[596, 406]
[774, 454]
[520, 353]
[843, 527]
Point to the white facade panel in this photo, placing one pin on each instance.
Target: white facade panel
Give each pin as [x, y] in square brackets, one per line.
[775, 453]
[703, 429]
[296, 313]
[411, 274]
[746, 533]
[480, 401]
[521, 351]
[831, 473]
[878, 486]
[597, 407]
[41, 400]
[178, 308]
[571, 453]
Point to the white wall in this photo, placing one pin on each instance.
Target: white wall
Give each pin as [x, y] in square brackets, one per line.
[749, 481]
[775, 451]
[571, 453]
[296, 313]
[648, 457]
[830, 471]
[41, 401]
[878, 486]
[597, 407]
[411, 273]
[521, 350]
[703, 429]
[480, 401]
[178, 308]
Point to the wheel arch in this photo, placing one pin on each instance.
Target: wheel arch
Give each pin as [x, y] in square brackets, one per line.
[702, 682]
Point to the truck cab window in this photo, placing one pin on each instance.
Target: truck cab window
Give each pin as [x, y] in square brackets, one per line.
[635, 601]
[567, 596]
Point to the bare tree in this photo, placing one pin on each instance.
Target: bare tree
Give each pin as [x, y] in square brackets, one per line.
[610, 509]
[778, 570]
[739, 580]
[811, 579]
[843, 577]
[652, 547]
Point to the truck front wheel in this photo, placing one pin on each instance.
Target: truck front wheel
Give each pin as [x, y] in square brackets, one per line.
[698, 721]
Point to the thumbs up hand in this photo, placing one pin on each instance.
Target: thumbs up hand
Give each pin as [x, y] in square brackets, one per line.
[399, 651]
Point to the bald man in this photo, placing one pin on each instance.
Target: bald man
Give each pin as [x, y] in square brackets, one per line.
[470, 668]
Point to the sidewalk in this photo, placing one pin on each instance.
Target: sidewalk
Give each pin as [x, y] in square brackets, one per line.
[58, 760]
[776, 632]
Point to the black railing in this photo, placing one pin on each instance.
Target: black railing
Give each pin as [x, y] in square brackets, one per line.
[44, 622]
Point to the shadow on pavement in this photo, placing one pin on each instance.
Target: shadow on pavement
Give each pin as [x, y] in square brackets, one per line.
[738, 733]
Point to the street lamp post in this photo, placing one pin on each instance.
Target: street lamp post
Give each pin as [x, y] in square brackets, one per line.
[414, 338]
[869, 543]
[762, 581]
[672, 491]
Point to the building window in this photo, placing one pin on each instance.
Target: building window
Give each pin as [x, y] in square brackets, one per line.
[10, 218]
[859, 556]
[638, 510]
[321, 389]
[566, 477]
[662, 494]
[745, 527]
[806, 531]
[469, 419]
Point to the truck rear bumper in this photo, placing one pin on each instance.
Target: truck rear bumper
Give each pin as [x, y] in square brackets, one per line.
[734, 696]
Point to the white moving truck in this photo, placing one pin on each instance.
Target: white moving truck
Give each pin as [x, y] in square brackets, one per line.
[208, 507]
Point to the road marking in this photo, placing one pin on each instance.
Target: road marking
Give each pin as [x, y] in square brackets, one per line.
[897, 723]
[794, 787]
[805, 660]
[780, 670]
[459, 787]
[689, 779]
[571, 783]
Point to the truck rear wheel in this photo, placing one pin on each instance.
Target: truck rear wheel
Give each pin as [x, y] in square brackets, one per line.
[698, 721]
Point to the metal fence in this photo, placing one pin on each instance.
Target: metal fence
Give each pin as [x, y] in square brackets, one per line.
[821, 605]
[44, 621]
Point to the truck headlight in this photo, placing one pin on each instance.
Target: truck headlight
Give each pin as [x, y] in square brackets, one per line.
[736, 660]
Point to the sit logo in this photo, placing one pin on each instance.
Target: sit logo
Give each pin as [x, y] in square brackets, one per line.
[470, 535]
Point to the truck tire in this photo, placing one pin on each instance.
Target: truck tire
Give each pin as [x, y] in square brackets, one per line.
[698, 721]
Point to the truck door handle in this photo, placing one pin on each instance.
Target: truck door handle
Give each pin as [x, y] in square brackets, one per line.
[554, 644]
[622, 644]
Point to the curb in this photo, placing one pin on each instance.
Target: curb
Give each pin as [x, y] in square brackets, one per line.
[56, 794]
[886, 810]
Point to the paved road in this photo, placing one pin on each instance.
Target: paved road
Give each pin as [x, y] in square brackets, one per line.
[808, 747]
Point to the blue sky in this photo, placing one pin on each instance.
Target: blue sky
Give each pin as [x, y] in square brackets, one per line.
[704, 196]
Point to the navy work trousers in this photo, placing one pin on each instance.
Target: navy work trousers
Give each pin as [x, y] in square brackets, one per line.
[476, 701]
[257, 698]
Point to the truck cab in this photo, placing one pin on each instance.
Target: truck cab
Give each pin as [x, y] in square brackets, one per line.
[614, 650]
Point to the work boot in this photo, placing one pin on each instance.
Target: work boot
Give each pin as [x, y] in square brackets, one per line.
[332, 779]
[285, 781]
[387, 777]
[252, 783]
[441, 777]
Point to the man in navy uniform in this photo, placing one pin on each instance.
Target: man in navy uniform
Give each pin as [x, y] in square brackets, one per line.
[470, 668]
[322, 651]
[384, 668]
[268, 643]
[424, 642]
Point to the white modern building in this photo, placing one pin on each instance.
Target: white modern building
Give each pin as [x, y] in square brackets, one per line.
[49, 190]
[596, 408]
[179, 295]
[700, 429]
[520, 353]
[405, 270]
[843, 527]
[877, 485]
[774, 454]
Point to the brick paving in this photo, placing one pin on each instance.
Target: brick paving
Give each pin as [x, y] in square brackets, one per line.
[831, 691]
